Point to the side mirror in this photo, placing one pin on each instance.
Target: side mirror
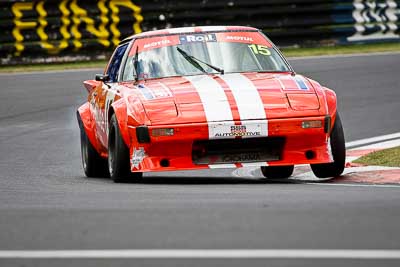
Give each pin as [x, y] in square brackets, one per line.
[90, 85]
[102, 78]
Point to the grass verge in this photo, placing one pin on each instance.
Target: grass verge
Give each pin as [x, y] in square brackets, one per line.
[54, 66]
[387, 157]
[341, 49]
[288, 52]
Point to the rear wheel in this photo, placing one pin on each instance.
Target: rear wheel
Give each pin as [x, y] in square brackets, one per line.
[93, 164]
[277, 172]
[338, 149]
[118, 156]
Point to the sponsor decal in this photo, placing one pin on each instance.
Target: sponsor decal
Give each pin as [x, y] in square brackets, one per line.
[239, 38]
[300, 83]
[137, 156]
[109, 100]
[220, 131]
[157, 44]
[237, 130]
[146, 92]
[243, 37]
[155, 93]
[197, 38]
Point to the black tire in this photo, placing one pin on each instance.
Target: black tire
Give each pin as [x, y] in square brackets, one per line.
[338, 149]
[118, 156]
[277, 172]
[93, 164]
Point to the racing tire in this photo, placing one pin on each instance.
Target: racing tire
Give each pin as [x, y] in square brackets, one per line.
[277, 172]
[118, 156]
[93, 164]
[338, 148]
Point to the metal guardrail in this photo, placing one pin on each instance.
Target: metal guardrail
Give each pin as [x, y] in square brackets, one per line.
[48, 29]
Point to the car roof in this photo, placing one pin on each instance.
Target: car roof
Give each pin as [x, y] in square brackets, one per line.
[196, 29]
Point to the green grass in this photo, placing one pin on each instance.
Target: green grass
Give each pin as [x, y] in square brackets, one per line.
[54, 66]
[387, 157]
[288, 52]
[341, 49]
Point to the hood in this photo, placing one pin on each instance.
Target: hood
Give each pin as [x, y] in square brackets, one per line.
[234, 96]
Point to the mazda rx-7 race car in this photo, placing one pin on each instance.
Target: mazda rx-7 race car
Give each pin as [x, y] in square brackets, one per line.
[206, 97]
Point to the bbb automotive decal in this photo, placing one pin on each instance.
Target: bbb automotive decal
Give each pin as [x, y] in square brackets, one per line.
[246, 129]
[237, 130]
[197, 38]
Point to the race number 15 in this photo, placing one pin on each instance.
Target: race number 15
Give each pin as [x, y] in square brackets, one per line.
[260, 49]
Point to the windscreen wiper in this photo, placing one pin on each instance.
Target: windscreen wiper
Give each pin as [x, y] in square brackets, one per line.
[194, 61]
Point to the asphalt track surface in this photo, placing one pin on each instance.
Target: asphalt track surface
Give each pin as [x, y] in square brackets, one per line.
[46, 203]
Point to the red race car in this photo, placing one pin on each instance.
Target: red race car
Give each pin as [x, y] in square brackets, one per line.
[206, 97]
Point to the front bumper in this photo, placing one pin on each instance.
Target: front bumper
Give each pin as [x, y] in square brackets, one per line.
[172, 153]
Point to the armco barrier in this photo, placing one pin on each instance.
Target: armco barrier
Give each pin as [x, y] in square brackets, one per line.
[69, 29]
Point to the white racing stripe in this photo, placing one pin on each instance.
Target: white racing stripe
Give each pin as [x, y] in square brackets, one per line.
[365, 254]
[249, 103]
[213, 98]
[246, 95]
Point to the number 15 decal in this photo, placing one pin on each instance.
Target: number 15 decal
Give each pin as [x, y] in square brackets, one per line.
[260, 49]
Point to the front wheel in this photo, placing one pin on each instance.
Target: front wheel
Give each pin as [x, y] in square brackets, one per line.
[93, 164]
[118, 156]
[277, 172]
[338, 149]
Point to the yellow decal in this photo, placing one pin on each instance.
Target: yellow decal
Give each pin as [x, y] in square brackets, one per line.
[17, 9]
[260, 49]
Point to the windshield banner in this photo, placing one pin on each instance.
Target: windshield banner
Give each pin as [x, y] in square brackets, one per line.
[149, 43]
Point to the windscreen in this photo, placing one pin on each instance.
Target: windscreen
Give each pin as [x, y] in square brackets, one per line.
[199, 53]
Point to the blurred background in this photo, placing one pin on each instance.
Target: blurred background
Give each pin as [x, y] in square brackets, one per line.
[76, 30]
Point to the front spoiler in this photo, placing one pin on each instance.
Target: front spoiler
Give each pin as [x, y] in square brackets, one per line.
[174, 153]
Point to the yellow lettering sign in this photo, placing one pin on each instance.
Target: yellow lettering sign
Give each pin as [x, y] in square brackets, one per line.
[80, 15]
[20, 25]
[52, 49]
[115, 18]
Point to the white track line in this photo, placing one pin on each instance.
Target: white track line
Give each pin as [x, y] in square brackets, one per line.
[203, 254]
[381, 145]
[357, 185]
[372, 140]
